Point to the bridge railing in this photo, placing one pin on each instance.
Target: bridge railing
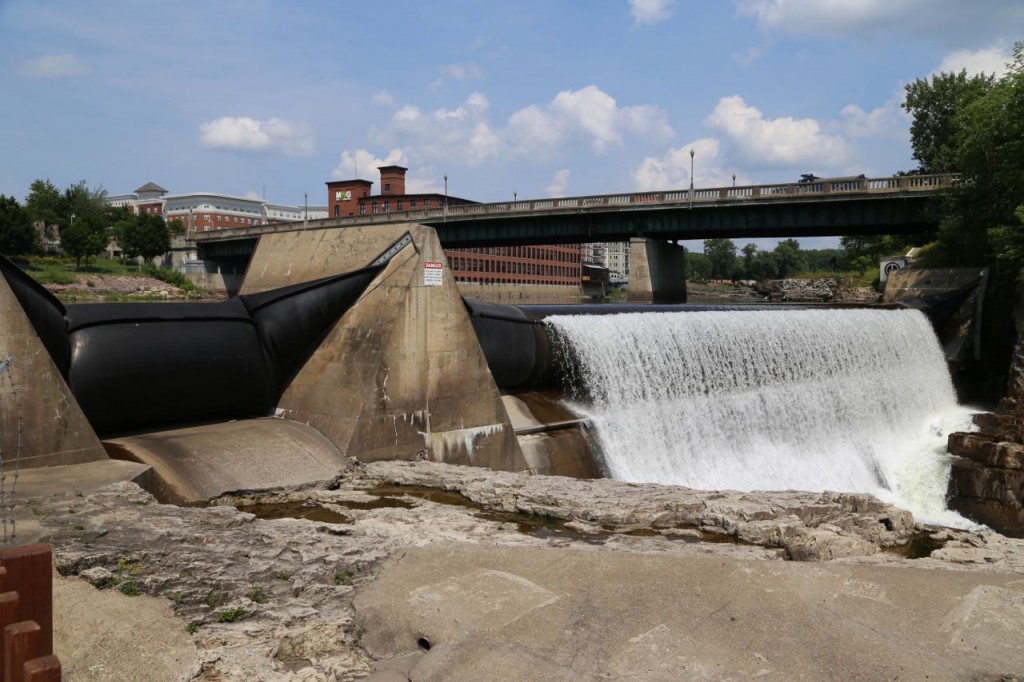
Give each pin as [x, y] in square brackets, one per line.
[824, 186]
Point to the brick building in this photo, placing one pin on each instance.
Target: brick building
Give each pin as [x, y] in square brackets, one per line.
[557, 265]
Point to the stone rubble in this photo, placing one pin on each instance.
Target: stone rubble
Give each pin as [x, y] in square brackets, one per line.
[272, 599]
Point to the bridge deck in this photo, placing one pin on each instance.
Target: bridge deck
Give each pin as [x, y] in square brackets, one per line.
[826, 207]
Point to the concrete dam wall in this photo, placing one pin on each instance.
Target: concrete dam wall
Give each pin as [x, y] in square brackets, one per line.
[389, 368]
[343, 344]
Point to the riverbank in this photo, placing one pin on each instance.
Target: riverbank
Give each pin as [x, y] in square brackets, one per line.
[421, 571]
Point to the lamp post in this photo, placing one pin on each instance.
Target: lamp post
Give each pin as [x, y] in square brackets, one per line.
[691, 178]
[733, 179]
[515, 194]
[445, 212]
[305, 215]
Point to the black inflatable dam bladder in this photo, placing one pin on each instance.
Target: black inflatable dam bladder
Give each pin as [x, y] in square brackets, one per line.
[142, 366]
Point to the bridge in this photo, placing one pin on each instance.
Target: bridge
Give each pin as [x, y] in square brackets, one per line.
[820, 208]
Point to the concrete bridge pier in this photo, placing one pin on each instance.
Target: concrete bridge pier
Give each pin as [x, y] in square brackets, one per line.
[657, 271]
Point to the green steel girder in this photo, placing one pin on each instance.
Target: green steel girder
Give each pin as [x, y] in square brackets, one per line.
[800, 217]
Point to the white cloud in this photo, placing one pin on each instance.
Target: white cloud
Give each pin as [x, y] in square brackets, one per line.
[462, 72]
[383, 97]
[362, 164]
[748, 56]
[588, 112]
[672, 170]
[784, 140]
[991, 60]
[466, 134]
[879, 122]
[651, 11]
[946, 24]
[559, 183]
[247, 134]
[53, 66]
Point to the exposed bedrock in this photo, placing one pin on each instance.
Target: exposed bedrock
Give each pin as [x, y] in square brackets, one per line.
[500, 572]
[987, 482]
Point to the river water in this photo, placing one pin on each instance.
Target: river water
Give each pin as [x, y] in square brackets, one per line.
[844, 400]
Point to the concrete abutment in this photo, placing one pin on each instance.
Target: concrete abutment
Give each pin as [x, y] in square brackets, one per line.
[657, 271]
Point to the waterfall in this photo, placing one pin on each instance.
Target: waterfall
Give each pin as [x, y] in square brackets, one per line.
[845, 400]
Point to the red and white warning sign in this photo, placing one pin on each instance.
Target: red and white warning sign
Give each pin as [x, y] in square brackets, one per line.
[432, 271]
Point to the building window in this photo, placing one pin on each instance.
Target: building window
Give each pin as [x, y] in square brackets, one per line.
[412, 203]
[426, 203]
[387, 186]
[387, 207]
[399, 207]
[337, 210]
[374, 207]
[362, 209]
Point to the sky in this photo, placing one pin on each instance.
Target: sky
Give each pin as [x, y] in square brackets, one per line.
[519, 98]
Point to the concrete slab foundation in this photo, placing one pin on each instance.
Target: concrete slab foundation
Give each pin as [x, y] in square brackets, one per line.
[200, 463]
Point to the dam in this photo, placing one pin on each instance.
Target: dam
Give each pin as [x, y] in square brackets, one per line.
[349, 344]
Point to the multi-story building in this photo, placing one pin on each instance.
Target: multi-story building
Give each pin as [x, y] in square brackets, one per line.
[557, 265]
[616, 259]
[205, 211]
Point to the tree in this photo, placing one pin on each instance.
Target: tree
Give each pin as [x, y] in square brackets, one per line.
[44, 205]
[84, 237]
[763, 266]
[936, 106]
[722, 254]
[143, 235]
[981, 225]
[698, 267]
[17, 234]
[749, 252]
[788, 258]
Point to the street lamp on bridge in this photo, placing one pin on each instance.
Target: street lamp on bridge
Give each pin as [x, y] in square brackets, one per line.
[691, 177]
[445, 212]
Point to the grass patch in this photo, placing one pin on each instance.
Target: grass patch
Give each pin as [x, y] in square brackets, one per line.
[257, 594]
[343, 578]
[232, 615]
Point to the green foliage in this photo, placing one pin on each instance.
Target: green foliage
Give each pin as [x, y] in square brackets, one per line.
[981, 136]
[17, 235]
[43, 204]
[143, 235]
[173, 277]
[84, 238]
[192, 628]
[789, 260]
[763, 266]
[935, 106]
[698, 267]
[257, 594]
[722, 254]
[342, 578]
[232, 615]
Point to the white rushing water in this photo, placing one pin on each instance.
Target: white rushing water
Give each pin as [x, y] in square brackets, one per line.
[844, 400]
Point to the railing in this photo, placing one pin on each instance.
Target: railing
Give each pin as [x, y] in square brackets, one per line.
[719, 195]
[26, 615]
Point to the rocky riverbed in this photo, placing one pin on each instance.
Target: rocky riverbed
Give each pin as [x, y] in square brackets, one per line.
[308, 585]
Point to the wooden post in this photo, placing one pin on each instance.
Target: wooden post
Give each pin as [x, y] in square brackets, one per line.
[22, 643]
[30, 572]
[42, 669]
